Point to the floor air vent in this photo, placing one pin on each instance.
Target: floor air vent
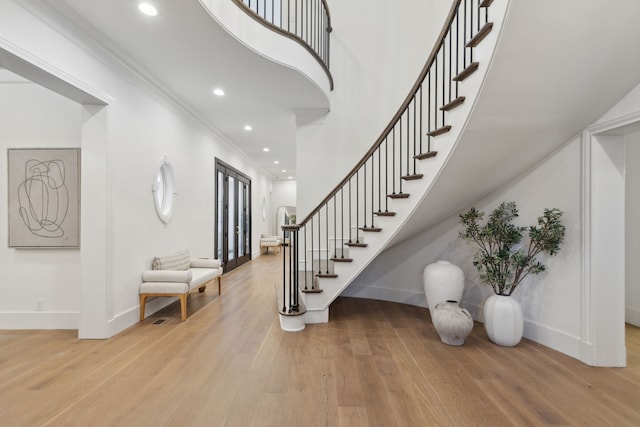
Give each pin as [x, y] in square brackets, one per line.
[159, 321]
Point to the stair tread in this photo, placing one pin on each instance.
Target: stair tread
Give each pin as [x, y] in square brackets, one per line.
[356, 245]
[466, 72]
[484, 32]
[398, 195]
[373, 229]
[384, 213]
[336, 259]
[312, 291]
[427, 155]
[486, 3]
[439, 131]
[413, 177]
[453, 104]
[327, 275]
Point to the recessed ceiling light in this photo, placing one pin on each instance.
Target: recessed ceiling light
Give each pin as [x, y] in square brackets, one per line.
[265, 149]
[148, 9]
[275, 162]
[247, 128]
[218, 92]
[284, 170]
[290, 177]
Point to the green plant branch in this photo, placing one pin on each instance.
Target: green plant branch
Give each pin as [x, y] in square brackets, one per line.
[499, 264]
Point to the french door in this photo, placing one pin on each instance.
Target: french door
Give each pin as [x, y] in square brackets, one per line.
[233, 216]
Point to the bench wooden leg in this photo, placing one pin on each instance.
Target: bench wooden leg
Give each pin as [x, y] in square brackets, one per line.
[219, 285]
[202, 288]
[143, 300]
[183, 306]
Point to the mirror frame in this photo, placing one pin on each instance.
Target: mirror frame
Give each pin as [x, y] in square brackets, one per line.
[164, 192]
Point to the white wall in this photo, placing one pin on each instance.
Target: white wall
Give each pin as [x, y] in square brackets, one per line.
[34, 117]
[374, 64]
[574, 306]
[143, 125]
[632, 227]
[550, 301]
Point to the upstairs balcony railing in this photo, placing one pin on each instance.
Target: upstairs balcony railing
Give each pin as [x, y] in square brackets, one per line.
[308, 22]
[334, 230]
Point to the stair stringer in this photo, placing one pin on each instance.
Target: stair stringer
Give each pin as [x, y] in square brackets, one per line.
[317, 304]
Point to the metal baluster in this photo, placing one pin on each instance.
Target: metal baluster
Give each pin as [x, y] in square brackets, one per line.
[444, 77]
[450, 60]
[284, 284]
[471, 31]
[457, 47]
[379, 179]
[408, 138]
[435, 92]
[350, 210]
[313, 250]
[364, 205]
[320, 240]
[464, 37]
[393, 162]
[373, 177]
[357, 205]
[386, 173]
[335, 226]
[305, 257]
[429, 110]
[342, 219]
[414, 132]
[293, 240]
[400, 156]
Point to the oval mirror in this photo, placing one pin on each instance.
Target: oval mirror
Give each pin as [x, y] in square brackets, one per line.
[164, 192]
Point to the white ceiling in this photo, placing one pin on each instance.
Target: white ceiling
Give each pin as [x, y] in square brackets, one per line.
[186, 53]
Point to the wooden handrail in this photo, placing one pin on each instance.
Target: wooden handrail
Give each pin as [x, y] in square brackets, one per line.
[293, 36]
[397, 116]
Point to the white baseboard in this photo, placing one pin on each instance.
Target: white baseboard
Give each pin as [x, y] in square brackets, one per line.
[122, 321]
[632, 315]
[40, 320]
[553, 338]
[130, 317]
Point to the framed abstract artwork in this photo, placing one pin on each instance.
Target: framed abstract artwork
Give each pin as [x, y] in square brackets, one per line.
[44, 197]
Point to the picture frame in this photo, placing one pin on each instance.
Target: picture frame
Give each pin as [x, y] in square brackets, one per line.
[44, 197]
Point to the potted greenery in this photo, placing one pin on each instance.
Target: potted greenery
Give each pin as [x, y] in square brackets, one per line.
[503, 261]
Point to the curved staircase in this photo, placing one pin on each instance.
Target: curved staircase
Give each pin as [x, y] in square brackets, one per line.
[356, 220]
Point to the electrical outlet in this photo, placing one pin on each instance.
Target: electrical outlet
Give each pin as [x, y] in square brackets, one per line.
[39, 304]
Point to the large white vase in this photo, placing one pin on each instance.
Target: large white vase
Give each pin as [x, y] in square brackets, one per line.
[503, 320]
[443, 282]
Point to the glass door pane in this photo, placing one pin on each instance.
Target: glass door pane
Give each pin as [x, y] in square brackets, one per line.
[220, 216]
[232, 219]
[240, 219]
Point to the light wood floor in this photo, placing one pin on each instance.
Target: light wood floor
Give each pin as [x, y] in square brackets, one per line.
[229, 364]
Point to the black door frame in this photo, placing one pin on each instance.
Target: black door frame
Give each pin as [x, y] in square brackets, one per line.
[222, 220]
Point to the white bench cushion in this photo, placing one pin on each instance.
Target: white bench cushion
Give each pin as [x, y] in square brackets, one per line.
[201, 276]
[167, 276]
[164, 288]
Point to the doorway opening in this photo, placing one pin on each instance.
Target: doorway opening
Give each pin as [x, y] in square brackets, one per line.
[612, 239]
[233, 216]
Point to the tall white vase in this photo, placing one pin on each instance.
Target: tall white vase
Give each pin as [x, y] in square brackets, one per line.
[503, 320]
[443, 282]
